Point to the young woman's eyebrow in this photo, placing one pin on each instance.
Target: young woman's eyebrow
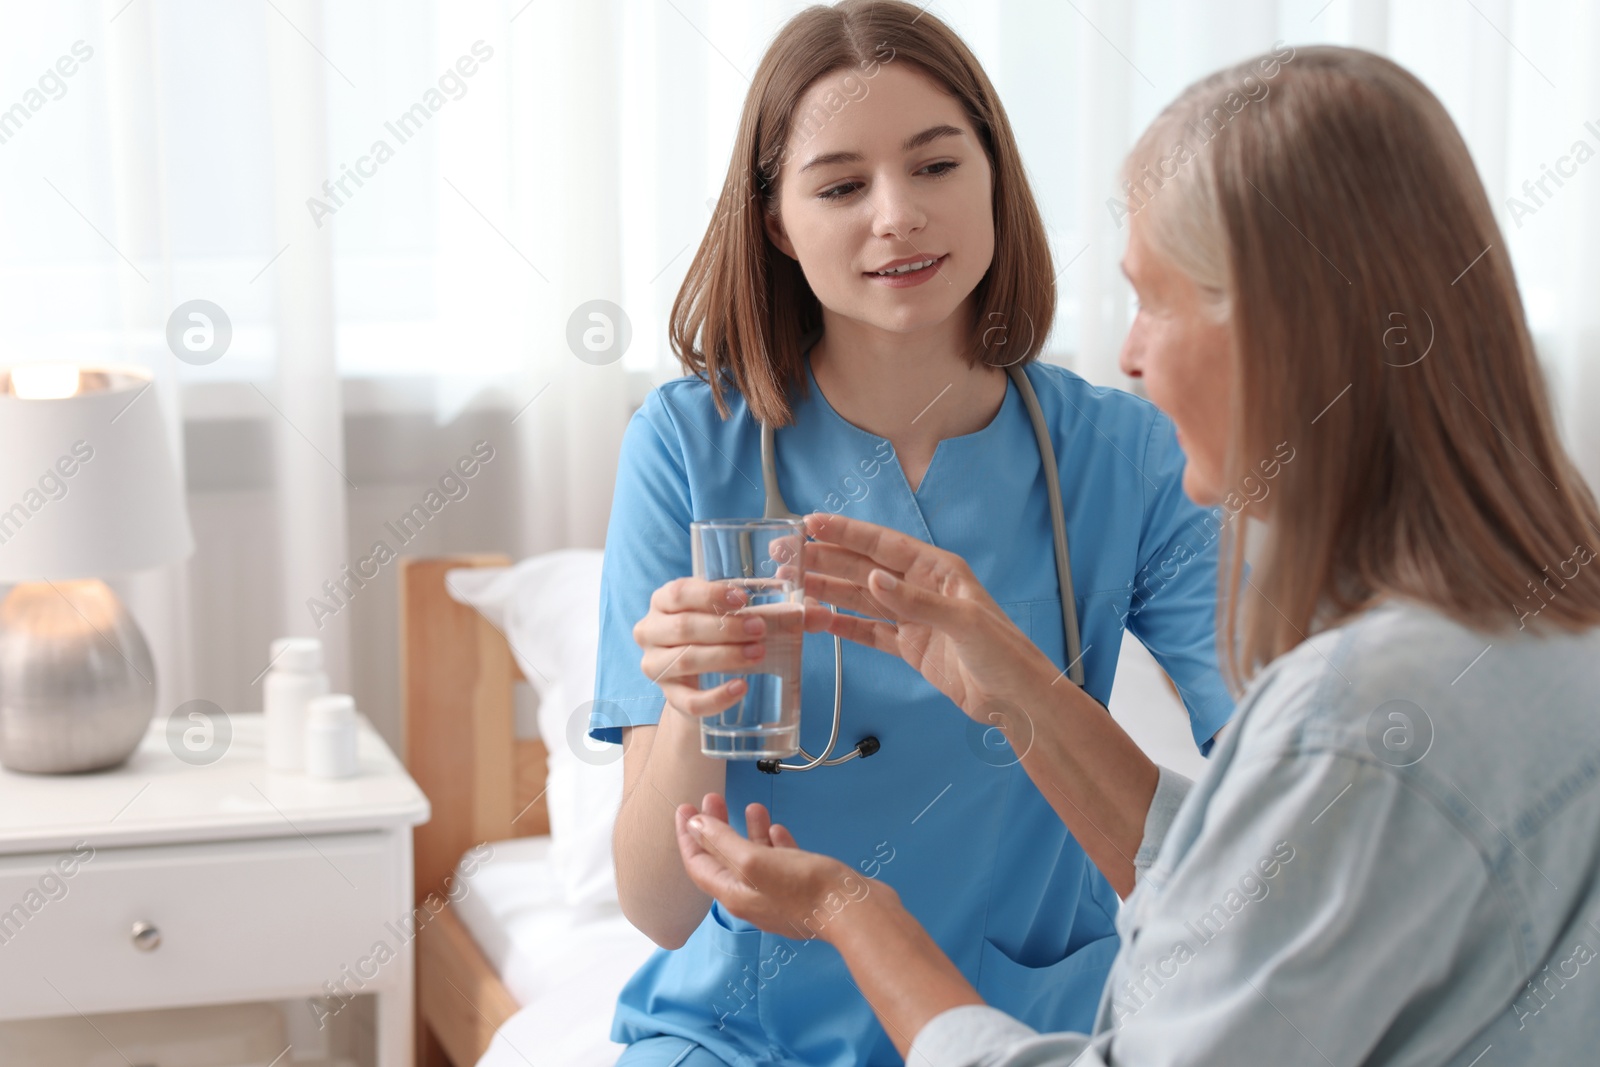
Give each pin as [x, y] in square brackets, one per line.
[912, 143]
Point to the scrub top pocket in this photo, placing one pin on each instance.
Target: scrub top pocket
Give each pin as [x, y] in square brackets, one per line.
[1058, 996]
[1046, 629]
[731, 936]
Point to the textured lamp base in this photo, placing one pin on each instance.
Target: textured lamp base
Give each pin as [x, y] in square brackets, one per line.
[77, 684]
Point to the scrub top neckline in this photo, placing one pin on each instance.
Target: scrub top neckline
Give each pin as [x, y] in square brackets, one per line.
[959, 441]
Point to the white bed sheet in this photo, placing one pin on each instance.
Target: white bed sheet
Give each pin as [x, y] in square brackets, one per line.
[565, 966]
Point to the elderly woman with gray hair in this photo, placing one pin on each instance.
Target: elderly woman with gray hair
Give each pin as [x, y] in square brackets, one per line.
[1394, 854]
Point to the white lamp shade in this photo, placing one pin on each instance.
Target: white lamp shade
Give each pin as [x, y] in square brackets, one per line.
[88, 486]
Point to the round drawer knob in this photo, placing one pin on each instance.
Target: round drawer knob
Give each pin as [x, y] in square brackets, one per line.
[146, 938]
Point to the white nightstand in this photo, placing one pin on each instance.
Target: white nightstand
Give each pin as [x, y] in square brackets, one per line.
[165, 884]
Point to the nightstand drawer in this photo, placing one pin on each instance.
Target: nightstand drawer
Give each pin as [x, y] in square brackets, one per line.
[236, 920]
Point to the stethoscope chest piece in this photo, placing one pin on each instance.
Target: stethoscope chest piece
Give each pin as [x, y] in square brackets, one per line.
[865, 747]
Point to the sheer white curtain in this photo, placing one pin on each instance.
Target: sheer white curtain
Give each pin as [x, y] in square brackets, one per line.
[538, 156]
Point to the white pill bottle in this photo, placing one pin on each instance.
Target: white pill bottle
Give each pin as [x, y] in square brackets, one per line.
[331, 736]
[294, 680]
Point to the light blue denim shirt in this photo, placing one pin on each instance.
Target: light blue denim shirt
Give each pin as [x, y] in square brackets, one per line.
[1392, 858]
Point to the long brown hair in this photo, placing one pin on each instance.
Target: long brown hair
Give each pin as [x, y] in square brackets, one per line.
[1377, 329]
[744, 305]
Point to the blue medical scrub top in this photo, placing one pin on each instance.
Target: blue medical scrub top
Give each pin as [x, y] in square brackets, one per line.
[943, 812]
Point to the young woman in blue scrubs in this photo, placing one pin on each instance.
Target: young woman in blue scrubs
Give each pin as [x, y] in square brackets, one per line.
[870, 140]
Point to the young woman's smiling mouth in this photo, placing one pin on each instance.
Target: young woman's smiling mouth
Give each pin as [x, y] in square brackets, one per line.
[908, 271]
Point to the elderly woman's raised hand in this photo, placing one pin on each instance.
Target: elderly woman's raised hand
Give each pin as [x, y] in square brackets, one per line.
[926, 607]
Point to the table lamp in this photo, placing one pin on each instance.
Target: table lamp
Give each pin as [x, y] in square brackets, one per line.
[88, 490]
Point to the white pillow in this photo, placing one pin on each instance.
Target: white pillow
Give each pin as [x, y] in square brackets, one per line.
[548, 608]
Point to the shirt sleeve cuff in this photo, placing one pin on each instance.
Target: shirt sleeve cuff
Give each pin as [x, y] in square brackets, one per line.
[964, 1036]
[1171, 789]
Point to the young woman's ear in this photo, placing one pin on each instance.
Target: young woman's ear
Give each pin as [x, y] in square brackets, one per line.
[775, 231]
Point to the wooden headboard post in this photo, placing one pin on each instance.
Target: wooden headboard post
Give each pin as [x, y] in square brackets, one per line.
[456, 717]
[458, 733]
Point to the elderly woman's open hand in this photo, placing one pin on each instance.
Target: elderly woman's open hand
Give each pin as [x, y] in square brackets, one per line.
[767, 880]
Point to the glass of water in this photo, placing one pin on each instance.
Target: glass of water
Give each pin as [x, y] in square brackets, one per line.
[762, 559]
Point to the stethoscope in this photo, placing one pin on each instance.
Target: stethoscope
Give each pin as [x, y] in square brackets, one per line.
[775, 508]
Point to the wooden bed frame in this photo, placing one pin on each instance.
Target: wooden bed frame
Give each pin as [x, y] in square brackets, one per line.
[459, 743]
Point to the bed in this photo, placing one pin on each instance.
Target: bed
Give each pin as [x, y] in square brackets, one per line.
[521, 946]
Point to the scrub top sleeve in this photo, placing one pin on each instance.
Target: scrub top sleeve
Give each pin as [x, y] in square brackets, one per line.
[647, 545]
[1174, 602]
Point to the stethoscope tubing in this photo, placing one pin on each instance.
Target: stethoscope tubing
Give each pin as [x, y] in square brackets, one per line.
[776, 508]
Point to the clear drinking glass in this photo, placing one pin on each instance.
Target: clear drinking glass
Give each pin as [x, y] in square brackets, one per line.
[760, 557]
